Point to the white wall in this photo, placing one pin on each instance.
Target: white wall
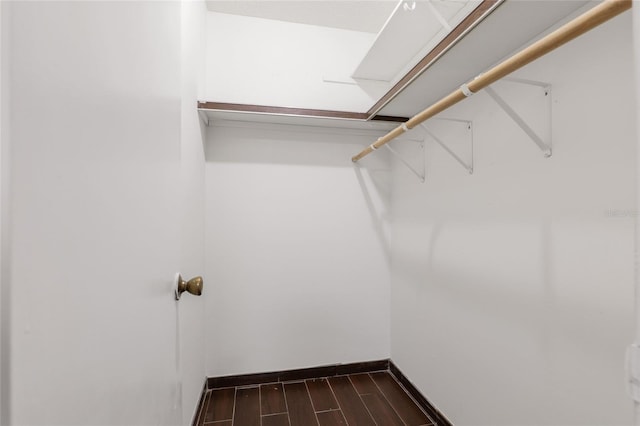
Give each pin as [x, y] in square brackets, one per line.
[636, 48]
[266, 62]
[4, 221]
[296, 250]
[191, 309]
[512, 289]
[99, 182]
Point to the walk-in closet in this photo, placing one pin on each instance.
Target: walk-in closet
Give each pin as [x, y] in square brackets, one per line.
[299, 213]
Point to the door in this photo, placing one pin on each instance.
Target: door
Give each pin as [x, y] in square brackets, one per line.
[95, 205]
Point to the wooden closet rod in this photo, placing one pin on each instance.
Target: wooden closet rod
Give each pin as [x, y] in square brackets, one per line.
[573, 29]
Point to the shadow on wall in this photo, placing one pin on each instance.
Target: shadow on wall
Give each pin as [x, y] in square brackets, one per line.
[379, 217]
[527, 275]
[303, 147]
[287, 144]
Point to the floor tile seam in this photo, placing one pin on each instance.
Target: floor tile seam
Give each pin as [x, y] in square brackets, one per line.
[279, 380]
[205, 407]
[243, 387]
[303, 380]
[274, 414]
[286, 403]
[209, 392]
[328, 411]
[313, 407]
[337, 402]
[233, 412]
[326, 379]
[362, 400]
[210, 402]
[395, 410]
[265, 384]
[356, 391]
[283, 397]
[433, 422]
[259, 405]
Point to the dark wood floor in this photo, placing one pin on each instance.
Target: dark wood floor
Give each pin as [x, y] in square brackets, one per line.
[366, 399]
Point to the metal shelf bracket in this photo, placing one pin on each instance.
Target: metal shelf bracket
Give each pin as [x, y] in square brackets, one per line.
[544, 145]
[420, 174]
[468, 166]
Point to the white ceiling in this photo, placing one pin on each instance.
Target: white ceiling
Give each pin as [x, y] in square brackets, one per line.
[364, 15]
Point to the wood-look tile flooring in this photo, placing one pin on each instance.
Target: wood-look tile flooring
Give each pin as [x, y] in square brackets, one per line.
[365, 399]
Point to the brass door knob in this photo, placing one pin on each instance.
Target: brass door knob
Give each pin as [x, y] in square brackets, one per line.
[193, 286]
